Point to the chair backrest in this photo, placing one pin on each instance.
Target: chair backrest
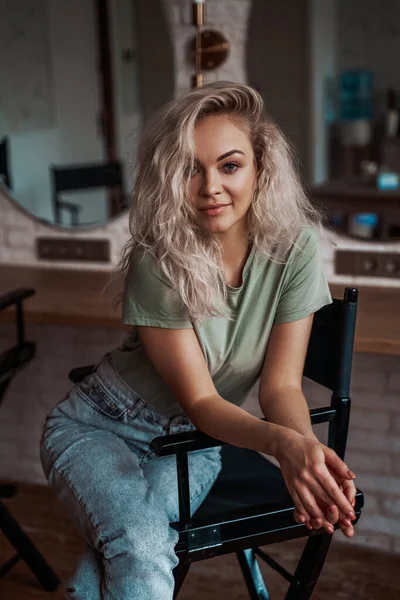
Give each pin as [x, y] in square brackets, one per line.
[83, 177]
[330, 349]
[80, 177]
[4, 166]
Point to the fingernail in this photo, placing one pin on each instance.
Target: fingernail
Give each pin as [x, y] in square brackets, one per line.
[331, 529]
[351, 474]
[351, 515]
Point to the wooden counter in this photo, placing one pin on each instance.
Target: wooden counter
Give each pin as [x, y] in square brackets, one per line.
[69, 297]
[64, 297]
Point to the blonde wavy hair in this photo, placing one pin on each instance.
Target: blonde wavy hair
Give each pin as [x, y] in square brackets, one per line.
[162, 220]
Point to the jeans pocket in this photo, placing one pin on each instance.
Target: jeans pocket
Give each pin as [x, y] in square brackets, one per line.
[107, 402]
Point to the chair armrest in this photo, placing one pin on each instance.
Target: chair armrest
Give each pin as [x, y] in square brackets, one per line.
[78, 374]
[189, 441]
[15, 297]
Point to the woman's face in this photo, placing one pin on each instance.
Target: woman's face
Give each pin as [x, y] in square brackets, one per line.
[224, 176]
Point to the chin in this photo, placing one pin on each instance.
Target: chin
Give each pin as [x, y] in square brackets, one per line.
[216, 227]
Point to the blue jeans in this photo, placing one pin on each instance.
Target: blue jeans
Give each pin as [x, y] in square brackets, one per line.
[96, 456]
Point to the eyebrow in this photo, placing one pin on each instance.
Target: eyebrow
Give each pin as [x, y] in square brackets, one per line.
[229, 154]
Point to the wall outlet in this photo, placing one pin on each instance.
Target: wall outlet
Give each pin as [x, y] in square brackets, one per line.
[368, 264]
[73, 249]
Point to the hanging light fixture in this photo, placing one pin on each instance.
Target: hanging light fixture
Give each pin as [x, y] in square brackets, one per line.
[198, 20]
[208, 49]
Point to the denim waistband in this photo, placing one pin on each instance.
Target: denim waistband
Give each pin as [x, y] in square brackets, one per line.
[116, 385]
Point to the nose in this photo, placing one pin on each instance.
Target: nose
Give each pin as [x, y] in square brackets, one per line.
[210, 183]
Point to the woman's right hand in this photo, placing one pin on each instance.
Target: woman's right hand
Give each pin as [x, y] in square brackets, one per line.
[310, 470]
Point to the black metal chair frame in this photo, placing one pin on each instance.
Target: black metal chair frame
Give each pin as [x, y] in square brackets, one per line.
[11, 361]
[82, 177]
[4, 162]
[207, 534]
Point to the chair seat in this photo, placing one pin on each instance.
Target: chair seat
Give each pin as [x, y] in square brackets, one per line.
[246, 479]
[248, 484]
[248, 501]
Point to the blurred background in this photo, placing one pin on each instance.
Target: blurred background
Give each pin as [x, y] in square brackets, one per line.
[78, 78]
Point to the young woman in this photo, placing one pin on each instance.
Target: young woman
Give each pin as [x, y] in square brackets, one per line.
[223, 276]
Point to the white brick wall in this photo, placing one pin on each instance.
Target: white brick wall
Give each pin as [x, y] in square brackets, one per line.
[38, 387]
[373, 450]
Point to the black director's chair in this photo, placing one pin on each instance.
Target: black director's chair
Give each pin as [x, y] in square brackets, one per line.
[11, 361]
[249, 505]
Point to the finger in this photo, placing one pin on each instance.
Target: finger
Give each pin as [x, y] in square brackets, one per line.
[300, 510]
[336, 463]
[331, 488]
[321, 496]
[298, 517]
[319, 492]
[331, 517]
[348, 487]
[347, 530]
[323, 523]
[309, 502]
[349, 490]
[332, 514]
[311, 522]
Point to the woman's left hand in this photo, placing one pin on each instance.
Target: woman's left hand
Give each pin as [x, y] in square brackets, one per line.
[349, 490]
[333, 516]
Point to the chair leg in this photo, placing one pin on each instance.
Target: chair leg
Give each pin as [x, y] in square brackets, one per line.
[27, 551]
[252, 575]
[309, 567]
[7, 490]
[180, 572]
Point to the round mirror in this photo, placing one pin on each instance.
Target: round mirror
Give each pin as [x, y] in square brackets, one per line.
[77, 81]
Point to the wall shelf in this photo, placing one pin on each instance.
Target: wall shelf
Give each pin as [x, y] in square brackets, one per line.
[346, 198]
[340, 194]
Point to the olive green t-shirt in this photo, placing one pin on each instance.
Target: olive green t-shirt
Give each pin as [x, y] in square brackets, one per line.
[271, 293]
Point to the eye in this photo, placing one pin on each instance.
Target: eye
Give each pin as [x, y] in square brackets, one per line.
[230, 167]
[191, 171]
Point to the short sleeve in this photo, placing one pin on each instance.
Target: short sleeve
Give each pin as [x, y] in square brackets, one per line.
[148, 297]
[305, 288]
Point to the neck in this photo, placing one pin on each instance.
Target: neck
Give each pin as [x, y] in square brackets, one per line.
[235, 250]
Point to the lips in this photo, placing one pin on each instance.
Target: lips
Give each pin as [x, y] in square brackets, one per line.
[213, 206]
[215, 210]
